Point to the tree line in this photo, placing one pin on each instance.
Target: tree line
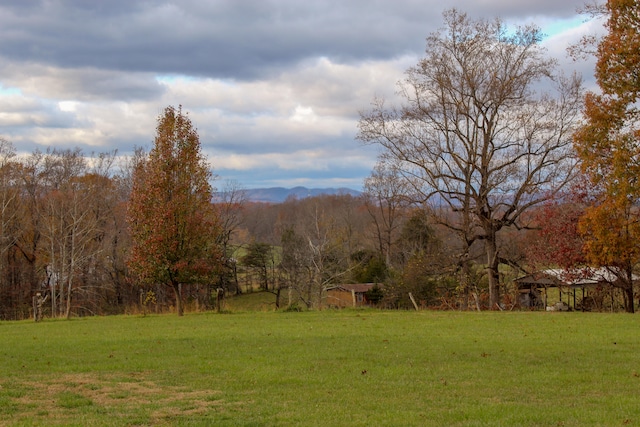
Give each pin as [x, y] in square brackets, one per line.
[63, 232]
[494, 164]
[92, 236]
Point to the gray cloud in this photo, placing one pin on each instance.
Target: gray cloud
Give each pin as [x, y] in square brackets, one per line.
[274, 87]
[82, 84]
[231, 38]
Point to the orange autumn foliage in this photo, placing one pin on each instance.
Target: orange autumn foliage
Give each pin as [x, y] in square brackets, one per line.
[609, 147]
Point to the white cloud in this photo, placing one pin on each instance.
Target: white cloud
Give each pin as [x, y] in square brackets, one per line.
[68, 106]
[304, 115]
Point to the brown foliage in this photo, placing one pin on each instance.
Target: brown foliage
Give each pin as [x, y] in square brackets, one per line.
[172, 220]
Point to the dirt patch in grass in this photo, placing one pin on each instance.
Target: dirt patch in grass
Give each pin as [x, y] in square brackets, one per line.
[122, 397]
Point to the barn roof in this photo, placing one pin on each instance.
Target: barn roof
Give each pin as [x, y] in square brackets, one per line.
[563, 277]
[355, 287]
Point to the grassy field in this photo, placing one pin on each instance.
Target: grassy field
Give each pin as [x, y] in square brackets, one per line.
[329, 368]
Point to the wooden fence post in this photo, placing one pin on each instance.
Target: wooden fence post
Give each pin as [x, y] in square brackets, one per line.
[413, 300]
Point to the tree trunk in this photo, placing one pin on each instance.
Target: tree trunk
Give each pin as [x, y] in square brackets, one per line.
[67, 313]
[278, 292]
[235, 279]
[265, 277]
[492, 270]
[177, 289]
[627, 288]
[628, 298]
[466, 284]
[52, 285]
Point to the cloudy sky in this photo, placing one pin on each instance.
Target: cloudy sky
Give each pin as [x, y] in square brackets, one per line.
[274, 87]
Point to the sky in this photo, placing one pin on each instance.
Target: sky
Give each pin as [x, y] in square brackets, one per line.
[274, 87]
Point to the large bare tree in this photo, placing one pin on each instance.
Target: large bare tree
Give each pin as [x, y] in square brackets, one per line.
[484, 132]
[386, 201]
[229, 203]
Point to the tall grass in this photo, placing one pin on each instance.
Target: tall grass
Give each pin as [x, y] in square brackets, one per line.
[358, 368]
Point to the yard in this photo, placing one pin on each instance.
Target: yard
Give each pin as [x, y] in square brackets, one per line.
[349, 367]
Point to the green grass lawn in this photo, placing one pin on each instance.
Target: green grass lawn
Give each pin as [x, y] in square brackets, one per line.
[328, 368]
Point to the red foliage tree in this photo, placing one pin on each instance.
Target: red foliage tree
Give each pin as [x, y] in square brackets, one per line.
[173, 224]
[557, 242]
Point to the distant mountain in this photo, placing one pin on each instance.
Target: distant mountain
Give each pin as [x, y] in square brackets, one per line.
[280, 194]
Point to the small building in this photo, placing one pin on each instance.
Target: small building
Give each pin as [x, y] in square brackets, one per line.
[349, 295]
[532, 288]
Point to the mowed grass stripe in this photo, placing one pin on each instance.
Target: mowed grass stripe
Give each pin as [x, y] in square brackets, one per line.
[352, 367]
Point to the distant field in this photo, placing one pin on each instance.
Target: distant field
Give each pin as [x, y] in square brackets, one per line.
[328, 368]
[254, 301]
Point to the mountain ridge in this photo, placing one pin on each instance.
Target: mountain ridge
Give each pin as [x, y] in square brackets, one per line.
[280, 194]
